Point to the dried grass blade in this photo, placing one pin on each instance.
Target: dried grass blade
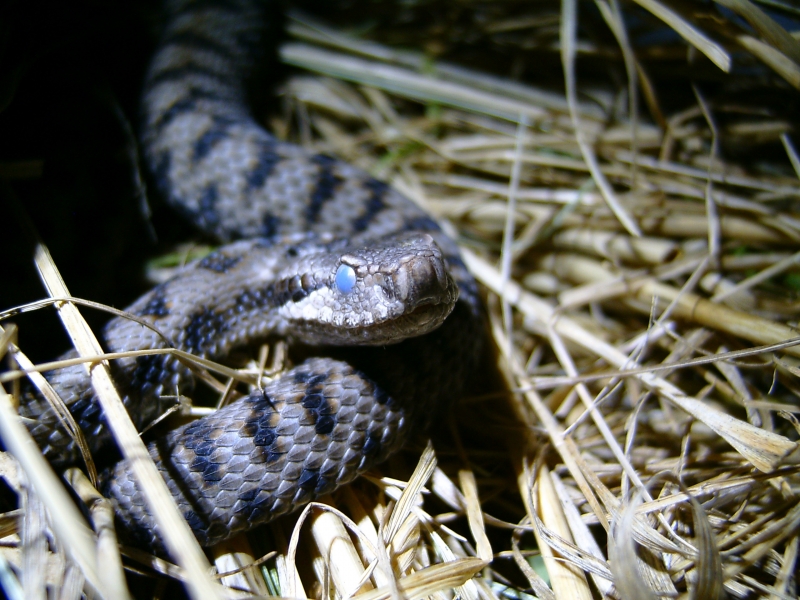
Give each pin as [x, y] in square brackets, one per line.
[568, 27]
[670, 168]
[305, 28]
[777, 61]
[57, 404]
[617, 246]
[430, 580]
[599, 571]
[623, 557]
[66, 521]
[537, 584]
[689, 32]
[749, 282]
[560, 441]
[764, 449]
[347, 571]
[767, 27]
[708, 564]
[712, 214]
[9, 582]
[788, 569]
[406, 83]
[719, 317]
[792, 153]
[102, 515]
[612, 15]
[407, 500]
[475, 515]
[567, 579]
[34, 547]
[177, 536]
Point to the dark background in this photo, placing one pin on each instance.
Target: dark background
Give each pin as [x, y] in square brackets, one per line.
[69, 78]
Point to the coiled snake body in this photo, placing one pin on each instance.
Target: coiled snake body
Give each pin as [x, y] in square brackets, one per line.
[326, 256]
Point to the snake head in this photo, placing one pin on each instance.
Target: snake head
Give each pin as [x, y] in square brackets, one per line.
[375, 292]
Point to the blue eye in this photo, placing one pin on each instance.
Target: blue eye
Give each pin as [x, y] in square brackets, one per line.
[345, 278]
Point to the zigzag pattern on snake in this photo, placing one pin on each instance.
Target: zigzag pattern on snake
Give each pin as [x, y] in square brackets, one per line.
[327, 256]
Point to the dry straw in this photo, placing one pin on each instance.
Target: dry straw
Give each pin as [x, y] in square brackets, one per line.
[634, 433]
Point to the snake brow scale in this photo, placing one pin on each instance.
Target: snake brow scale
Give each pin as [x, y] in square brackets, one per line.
[317, 252]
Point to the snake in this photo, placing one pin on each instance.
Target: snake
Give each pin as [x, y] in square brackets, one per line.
[314, 251]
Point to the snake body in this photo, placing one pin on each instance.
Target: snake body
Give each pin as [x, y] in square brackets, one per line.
[317, 252]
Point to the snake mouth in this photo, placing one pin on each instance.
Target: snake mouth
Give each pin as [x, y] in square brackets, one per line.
[422, 320]
[428, 315]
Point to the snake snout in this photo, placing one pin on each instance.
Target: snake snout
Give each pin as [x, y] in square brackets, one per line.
[422, 280]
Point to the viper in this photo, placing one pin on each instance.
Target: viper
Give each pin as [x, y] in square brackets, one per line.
[314, 251]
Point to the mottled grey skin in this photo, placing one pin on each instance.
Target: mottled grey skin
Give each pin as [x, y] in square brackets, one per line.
[303, 217]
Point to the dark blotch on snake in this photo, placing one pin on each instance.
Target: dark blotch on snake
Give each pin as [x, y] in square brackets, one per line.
[320, 410]
[188, 104]
[157, 306]
[254, 299]
[267, 160]
[219, 263]
[420, 224]
[265, 437]
[148, 373]
[207, 206]
[326, 184]
[372, 445]
[317, 379]
[308, 480]
[218, 132]
[302, 376]
[84, 411]
[276, 294]
[203, 327]
[270, 225]
[285, 290]
[374, 205]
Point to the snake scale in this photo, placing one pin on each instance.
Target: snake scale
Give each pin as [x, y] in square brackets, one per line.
[317, 252]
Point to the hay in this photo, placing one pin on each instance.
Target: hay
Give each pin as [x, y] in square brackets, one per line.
[639, 260]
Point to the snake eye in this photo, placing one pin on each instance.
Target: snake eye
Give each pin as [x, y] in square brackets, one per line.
[345, 278]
